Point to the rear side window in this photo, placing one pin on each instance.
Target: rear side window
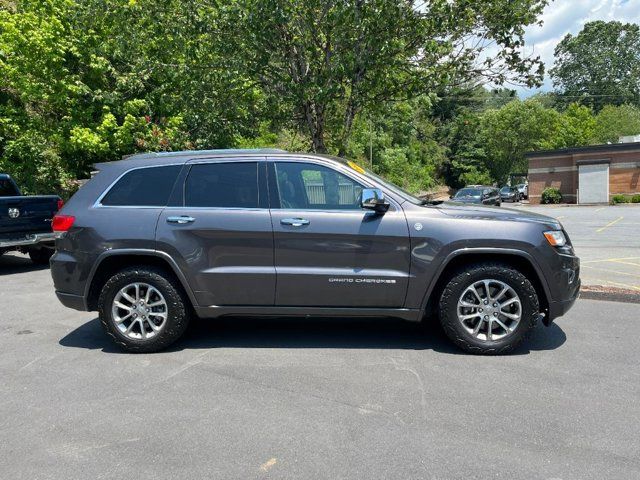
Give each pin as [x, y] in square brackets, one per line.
[143, 187]
[222, 185]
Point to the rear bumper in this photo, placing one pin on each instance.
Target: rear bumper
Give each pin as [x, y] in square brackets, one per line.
[76, 302]
[31, 239]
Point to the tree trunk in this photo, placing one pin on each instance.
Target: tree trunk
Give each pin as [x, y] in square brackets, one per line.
[314, 119]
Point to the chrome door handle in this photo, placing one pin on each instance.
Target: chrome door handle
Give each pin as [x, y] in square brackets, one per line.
[181, 220]
[294, 222]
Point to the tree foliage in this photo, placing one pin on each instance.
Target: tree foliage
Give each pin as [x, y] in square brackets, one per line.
[328, 61]
[600, 65]
[397, 85]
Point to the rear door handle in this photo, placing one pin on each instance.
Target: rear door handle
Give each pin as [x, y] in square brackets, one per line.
[294, 222]
[181, 220]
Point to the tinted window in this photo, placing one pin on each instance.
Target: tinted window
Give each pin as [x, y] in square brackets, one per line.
[469, 192]
[309, 186]
[7, 189]
[149, 187]
[233, 184]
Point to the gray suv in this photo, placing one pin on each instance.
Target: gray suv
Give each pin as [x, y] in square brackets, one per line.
[155, 239]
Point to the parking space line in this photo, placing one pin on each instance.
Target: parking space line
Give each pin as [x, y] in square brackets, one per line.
[632, 287]
[626, 263]
[610, 224]
[599, 209]
[612, 271]
[602, 281]
[560, 217]
[610, 260]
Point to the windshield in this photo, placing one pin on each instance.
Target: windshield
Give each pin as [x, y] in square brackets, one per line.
[393, 187]
[505, 189]
[468, 192]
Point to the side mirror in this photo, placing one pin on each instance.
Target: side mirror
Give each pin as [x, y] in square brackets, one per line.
[373, 199]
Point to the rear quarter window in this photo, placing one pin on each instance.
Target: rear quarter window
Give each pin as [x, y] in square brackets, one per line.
[143, 187]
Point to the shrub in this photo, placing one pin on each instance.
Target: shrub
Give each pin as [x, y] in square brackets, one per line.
[551, 195]
[620, 199]
[635, 198]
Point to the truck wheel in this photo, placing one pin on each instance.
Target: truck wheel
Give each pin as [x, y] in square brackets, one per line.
[41, 255]
[488, 308]
[142, 309]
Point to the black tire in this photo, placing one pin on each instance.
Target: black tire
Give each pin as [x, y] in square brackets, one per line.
[178, 312]
[41, 255]
[448, 311]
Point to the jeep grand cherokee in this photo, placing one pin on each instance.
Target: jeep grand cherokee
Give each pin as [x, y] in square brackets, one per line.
[154, 239]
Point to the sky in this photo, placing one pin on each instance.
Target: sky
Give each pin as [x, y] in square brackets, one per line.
[568, 16]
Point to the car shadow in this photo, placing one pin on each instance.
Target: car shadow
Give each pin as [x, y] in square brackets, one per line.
[300, 332]
[11, 264]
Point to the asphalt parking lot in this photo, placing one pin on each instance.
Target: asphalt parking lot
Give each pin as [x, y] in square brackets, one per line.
[302, 398]
[606, 238]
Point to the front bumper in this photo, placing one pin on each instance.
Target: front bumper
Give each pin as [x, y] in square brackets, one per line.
[28, 240]
[559, 308]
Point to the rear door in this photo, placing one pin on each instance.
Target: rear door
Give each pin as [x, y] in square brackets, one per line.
[329, 252]
[219, 232]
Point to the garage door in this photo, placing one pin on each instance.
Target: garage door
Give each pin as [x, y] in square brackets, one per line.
[593, 183]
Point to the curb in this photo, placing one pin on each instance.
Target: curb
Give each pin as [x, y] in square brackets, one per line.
[609, 294]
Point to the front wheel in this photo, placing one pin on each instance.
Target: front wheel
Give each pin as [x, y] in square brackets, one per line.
[488, 308]
[143, 309]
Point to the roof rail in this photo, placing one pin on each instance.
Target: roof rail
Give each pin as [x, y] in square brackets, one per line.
[220, 151]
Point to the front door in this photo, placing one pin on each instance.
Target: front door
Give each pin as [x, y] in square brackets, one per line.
[220, 233]
[329, 252]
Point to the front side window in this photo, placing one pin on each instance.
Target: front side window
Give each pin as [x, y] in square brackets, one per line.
[222, 185]
[309, 186]
[148, 187]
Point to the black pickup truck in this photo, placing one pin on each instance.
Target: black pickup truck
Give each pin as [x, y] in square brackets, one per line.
[25, 221]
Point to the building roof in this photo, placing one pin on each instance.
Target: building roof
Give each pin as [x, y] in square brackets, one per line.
[609, 147]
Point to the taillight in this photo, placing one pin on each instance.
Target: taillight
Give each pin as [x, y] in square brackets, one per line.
[60, 204]
[62, 223]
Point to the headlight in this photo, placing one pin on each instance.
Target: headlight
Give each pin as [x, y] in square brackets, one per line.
[556, 238]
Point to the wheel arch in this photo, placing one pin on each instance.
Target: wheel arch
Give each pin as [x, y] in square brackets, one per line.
[518, 259]
[115, 260]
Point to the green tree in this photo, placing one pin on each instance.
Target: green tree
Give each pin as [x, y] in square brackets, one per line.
[329, 61]
[600, 65]
[518, 127]
[613, 122]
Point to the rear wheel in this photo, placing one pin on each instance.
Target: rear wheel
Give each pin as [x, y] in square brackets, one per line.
[488, 308]
[142, 309]
[41, 255]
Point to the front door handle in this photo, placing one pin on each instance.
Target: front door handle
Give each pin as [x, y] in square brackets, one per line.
[181, 220]
[294, 222]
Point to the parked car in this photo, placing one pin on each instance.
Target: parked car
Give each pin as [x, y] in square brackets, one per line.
[154, 239]
[523, 188]
[25, 221]
[478, 194]
[509, 194]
